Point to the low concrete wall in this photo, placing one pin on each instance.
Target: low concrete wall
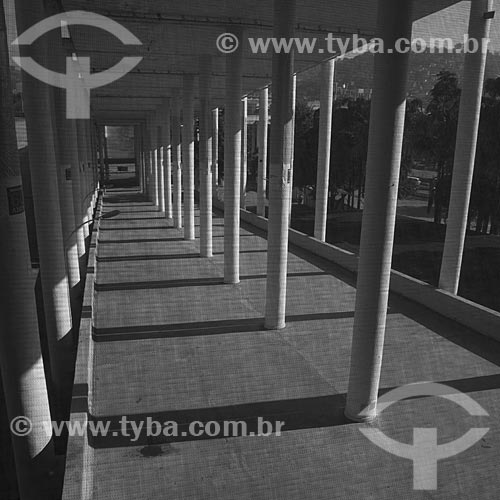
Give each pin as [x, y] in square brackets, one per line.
[463, 311]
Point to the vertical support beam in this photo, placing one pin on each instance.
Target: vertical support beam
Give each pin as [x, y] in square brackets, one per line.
[106, 153]
[167, 159]
[83, 177]
[282, 119]
[153, 137]
[67, 158]
[324, 145]
[232, 164]
[188, 155]
[159, 160]
[177, 160]
[465, 149]
[215, 148]
[379, 216]
[292, 139]
[77, 187]
[244, 152]
[21, 362]
[263, 128]
[205, 157]
[43, 171]
[102, 164]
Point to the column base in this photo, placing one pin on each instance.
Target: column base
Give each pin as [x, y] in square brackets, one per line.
[360, 418]
[270, 326]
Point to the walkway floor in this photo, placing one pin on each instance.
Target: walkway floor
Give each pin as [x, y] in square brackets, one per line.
[171, 341]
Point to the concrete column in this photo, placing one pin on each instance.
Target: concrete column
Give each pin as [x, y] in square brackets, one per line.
[379, 215]
[232, 164]
[177, 160]
[153, 134]
[147, 158]
[262, 134]
[76, 185]
[205, 157]
[82, 155]
[282, 119]
[21, 362]
[139, 155]
[324, 145]
[167, 159]
[90, 167]
[215, 149]
[66, 148]
[465, 149]
[42, 157]
[292, 140]
[188, 155]
[88, 172]
[68, 163]
[244, 152]
[159, 160]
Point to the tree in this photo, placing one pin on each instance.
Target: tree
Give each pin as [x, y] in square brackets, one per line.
[441, 131]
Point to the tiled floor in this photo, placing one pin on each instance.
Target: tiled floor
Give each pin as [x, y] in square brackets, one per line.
[170, 340]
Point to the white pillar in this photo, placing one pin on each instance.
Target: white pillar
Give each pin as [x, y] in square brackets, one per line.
[177, 160]
[244, 152]
[379, 215]
[153, 134]
[324, 145]
[232, 164]
[205, 157]
[21, 362]
[42, 158]
[76, 185]
[282, 119]
[262, 145]
[159, 161]
[188, 155]
[82, 156]
[215, 148]
[167, 159]
[465, 149]
[292, 139]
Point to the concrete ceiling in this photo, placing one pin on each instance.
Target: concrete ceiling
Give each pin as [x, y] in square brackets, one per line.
[174, 34]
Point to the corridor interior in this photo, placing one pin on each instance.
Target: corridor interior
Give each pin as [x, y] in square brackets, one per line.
[163, 336]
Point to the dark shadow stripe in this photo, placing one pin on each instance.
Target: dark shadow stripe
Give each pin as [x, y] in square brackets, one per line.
[132, 258]
[152, 285]
[143, 240]
[128, 228]
[203, 328]
[307, 413]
